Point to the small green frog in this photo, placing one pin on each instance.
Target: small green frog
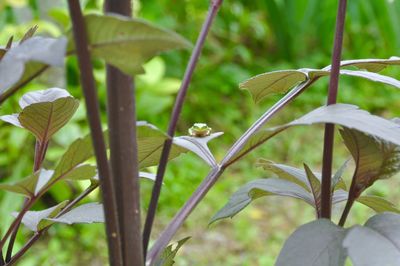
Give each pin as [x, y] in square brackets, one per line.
[199, 130]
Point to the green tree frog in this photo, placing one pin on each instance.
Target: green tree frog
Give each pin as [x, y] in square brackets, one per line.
[199, 130]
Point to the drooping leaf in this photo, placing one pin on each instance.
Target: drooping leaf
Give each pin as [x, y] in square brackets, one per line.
[375, 158]
[167, 258]
[274, 82]
[376, 243]
[45, 50]
[127, 43]
[314, 244]
[31, 185]
[86, 213]
[259, 188]
[349, 116]
[36, 220]
[378, 204]
[198, 145]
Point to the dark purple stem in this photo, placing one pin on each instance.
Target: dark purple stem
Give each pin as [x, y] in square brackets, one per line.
[326, 197]
[215, 5]
[93, 113]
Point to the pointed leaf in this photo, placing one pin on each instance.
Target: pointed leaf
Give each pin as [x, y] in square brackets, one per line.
[372, 76]
[378, 204]
[86, 213]
[315, 185]
[29, 34]
[375, 158]
[82, 172]
[259, 188]
[372, 65]
[35, 220]
[31, 185]
[274, 82]
[314, 244]
[169, 254]
[45, 50]
[349, 116]
[376, 243]
[12, 119]
[198, 145]
[127, 43]
[337, 180]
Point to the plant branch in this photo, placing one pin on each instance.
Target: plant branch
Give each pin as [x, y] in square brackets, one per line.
[326, 196]
[93, 113]
[213, 10]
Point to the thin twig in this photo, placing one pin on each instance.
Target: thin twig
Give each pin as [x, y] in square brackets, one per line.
[93, 113]
[214, 7]
[326, 196]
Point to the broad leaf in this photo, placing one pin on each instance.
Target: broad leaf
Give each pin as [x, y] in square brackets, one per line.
[274, 82]
[127, 43]
[198, 145]
[31, 185]
[44, 50]
[86, 213]
[36, 220]
[44, 112]
[349, 116]
[376, 243]
[314, 244]
[82, 172]
[378, 204]
[259, 188]
[375, 158]
[169, 254]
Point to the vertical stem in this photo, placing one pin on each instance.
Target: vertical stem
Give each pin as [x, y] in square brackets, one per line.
[326, 197]
[123, 150]
[214, 7]
[93, 113]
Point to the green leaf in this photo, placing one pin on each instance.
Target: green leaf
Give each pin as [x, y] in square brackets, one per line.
[372, 65]
[169, 254]
[86, 213]
[44, 112]
[82, 172]
[44, 50]
[260, 188]
[314, 244]
[376, 243]
[378, 204]
[375, 158]
[198, 145]
[349, 116]
[337, 180]
[315, 185]
[31, 185]
[274, 82]
[128, 43]
[36, 220]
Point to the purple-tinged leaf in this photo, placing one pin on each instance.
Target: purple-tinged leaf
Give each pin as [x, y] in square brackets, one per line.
[314, 244]
[315, 185]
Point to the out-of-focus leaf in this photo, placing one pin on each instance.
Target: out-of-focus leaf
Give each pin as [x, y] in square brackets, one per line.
[35, 220]
[146, 175]
[376, 243]
[314, 244]
[259, 188]
[337, 180]
[198, 145]
[274, 82]
[29, 34]
[378, 204]
[86, 213]
[31, 185]
[349, 116]
[45, 50]
[375, 158]
[167, 258]
[127, 43]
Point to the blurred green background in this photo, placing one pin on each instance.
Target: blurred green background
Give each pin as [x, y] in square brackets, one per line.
[248, 38]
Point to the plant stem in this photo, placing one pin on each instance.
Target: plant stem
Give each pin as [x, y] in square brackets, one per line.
[123, 150]
[93, 113]
[214, 7]
[214, 174]
[326, 196]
